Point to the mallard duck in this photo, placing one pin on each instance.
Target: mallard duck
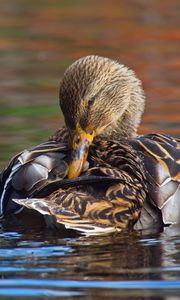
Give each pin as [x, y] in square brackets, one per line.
[96, 175]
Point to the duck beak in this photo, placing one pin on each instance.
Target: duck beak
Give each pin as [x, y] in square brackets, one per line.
[80, 147]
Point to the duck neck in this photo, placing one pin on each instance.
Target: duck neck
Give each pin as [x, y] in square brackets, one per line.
[126, 126]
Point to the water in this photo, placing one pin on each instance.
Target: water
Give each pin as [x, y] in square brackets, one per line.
[38, 40]
[48, 264]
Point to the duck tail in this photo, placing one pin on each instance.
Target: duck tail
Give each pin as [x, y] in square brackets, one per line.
[37, 204]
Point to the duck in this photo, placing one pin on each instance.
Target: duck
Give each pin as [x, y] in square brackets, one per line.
[96, 175]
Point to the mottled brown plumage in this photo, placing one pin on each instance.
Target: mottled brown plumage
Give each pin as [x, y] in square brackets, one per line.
[121, 189]
[130, 181]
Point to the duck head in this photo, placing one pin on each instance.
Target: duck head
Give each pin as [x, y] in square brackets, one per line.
[99, 97]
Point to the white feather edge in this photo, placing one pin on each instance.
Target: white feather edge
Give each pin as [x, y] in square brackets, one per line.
[92, 229]
[33, 204]
[13, 171]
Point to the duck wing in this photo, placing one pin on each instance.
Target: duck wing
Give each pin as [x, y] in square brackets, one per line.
[29, 171]
[103, 200]
[161, 159]
[88, 212]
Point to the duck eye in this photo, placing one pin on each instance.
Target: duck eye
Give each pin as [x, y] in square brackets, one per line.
[91, 101]
[78, 139]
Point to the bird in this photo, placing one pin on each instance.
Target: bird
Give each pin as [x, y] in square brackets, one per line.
[96, 175]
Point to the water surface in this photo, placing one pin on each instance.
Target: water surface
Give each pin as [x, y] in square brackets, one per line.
[43, 263]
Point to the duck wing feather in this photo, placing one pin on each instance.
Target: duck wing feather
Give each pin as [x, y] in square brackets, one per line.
[29, 171]
[161, 159]
[105, 199]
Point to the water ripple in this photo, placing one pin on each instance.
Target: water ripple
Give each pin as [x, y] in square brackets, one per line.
[37, 252]
[103, 284]
[15, 292]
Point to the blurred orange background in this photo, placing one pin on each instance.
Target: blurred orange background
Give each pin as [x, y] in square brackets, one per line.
[39, 39]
